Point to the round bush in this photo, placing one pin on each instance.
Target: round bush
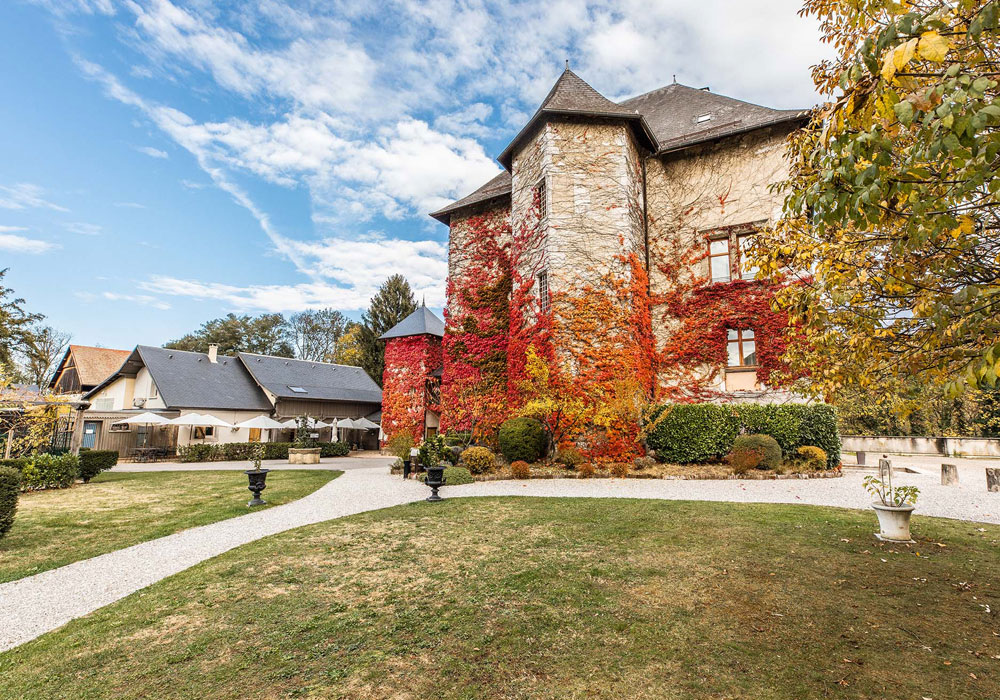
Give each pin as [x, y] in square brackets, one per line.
[585, 470]
[479, 460]
[93, 462]
[619, 469]
[812, 457]
[570, 457]
[456, 476]
[522, 438]
[520, 469]
[10, 486]
[742, 461]
[765, 444]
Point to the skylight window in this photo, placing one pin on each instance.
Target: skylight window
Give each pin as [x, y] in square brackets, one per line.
[702, 118]
[298, 390]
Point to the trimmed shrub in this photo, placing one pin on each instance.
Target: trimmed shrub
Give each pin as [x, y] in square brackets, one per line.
[243, 451]
[456, 476]
[93, 462]
[743, 461]
[522, 438]
[585, 470]
[479, 460]
[694, 433]
[619, 469]
[641, 463]
[812, 457]
[520, 469]
[767, 446]
[333, 449]
[45, 471]
[570, 457]
[10, 485]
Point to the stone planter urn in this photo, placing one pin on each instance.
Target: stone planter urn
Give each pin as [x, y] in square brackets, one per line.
[303, 455]
[893, 522]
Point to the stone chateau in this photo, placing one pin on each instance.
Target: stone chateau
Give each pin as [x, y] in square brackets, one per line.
[676, 173]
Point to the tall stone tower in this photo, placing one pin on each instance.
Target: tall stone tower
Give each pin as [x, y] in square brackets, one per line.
[411, 401]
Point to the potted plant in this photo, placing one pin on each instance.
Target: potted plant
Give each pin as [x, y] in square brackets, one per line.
[256, 475]
[305, 450]
[894, 506]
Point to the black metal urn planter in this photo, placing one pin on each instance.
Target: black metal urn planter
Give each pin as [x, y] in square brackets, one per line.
[257, 478]
[435, 479]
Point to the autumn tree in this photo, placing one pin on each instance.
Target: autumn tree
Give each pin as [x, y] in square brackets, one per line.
[16, 325]
[41, 353]
[392, 303]
[348, 350]
[891, 215]
[267, 334]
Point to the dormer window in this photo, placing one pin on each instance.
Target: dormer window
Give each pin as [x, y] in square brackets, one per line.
[702, 118]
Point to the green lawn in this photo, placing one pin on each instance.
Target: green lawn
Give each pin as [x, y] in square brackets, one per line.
[546, 598]
[116, 510]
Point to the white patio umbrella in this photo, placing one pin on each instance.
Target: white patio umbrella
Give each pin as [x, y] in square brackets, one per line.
[364, 424]
[263, 422]
[146, 419]
[346, 423]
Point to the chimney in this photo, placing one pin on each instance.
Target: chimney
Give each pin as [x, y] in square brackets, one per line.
[213, 353]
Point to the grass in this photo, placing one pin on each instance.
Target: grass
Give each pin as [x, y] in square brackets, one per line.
[552, 598]
[119, 509]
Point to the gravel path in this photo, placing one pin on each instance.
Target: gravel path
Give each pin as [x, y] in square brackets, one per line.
[35, 605]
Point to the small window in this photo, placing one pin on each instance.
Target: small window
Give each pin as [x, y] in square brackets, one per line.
[202, 432]
[120, 428]
[152, 390]
[543, 292]
[702, 118]
[718, 259]
[747, 270]
[538, 194]
[741, 348]
[298, 390]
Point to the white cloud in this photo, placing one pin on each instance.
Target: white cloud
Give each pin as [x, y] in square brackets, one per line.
[25, 196]
[153, 152]
[130, 205]
[83, 229]
[141, 299]
[7, 229]
[12, 243]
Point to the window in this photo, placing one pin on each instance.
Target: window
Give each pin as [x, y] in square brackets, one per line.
[298, 390]
[120, 428]
[543, 292]
[106, 404]
[702, 118]
[538, 194]
[200, 433]
[718, 259]
[742, 348]
[152, 390]
[747, 271]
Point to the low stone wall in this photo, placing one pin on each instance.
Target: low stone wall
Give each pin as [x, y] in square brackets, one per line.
[946, 446]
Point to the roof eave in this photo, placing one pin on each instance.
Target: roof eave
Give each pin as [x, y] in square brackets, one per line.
[506, 156]
[444, 215]
[709, 138]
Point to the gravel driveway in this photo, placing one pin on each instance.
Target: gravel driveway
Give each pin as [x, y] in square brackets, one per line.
[37, 604]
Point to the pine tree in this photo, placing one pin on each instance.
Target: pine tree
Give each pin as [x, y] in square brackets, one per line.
[392, 303]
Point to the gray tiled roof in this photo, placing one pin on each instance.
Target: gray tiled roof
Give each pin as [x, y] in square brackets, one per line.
[495, 188]
[669, 113]
[672, 112]
[321, 381]
[571, 95]
[420, 322]
[190, 380]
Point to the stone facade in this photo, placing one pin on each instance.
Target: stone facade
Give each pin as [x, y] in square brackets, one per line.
[588, 189]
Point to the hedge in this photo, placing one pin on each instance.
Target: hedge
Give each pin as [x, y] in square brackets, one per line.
[93, 462]
[522, 438]
[45, 471]
[240, 451]
[694, 433]
[10, 484]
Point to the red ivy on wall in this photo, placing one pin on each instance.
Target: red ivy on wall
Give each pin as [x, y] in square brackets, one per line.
[406, 384]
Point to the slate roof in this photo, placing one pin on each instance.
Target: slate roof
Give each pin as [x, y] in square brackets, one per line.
[498, 187]
[420, 322]
[571, 95]
[669, 116]
[321, 381]
[190, 380]
[673, 112]
[93, 365]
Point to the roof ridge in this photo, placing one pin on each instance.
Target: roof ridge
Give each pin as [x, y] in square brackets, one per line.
[298, 359]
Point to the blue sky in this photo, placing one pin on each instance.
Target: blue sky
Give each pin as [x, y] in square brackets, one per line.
[166, 162]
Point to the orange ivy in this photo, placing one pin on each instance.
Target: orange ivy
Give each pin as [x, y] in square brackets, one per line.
[408, 390]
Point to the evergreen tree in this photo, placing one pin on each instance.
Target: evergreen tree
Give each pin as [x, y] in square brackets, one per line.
[15, 325]
[392, 303]
[267, 334]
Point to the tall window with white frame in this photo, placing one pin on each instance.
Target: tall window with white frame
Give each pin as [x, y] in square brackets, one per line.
[718, 259]
[741, 348]
[543, 292]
